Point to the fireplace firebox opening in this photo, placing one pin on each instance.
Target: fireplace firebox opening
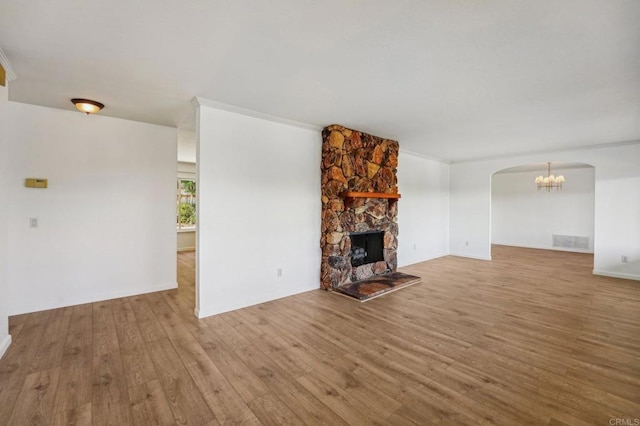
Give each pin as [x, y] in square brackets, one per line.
[366, 247]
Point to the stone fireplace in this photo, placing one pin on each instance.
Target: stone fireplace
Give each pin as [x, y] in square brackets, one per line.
[359, 206]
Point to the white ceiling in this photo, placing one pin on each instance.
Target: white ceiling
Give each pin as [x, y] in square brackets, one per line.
[449, 79]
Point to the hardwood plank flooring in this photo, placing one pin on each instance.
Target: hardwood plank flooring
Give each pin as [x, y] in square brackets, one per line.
[531, 337]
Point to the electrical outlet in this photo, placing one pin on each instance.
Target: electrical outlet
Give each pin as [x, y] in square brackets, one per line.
[414, 246]
[279, 272]
[33, 222]
[466, 243]
[624, 259]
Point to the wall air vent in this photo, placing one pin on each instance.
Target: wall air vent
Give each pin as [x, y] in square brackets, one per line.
[571, 242]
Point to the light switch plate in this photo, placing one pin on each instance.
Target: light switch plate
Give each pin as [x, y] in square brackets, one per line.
[36, 183]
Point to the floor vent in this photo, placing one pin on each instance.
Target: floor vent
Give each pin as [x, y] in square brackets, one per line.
[571, 241]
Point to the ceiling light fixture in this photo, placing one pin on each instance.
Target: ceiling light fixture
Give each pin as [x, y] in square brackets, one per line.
[550, 181]
[87, 105]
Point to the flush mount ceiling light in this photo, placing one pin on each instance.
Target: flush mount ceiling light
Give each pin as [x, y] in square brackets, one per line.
[87, 105]
[550, 181]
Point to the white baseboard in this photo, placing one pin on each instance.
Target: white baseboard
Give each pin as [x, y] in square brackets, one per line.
[572, 250]
[45, 305]
[470, 256]
[616, 275]
[414, 262]
[235, 306]
[4, 345]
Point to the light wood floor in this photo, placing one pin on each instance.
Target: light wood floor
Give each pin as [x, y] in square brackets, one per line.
[528, 338]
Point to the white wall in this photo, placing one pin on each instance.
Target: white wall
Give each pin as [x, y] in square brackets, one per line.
[186, 240]
[523, 216]
[258, 210]
[187, 145]
[107, 220]
[186, 170]
[423, 210]
[5, 338]
[617, 204]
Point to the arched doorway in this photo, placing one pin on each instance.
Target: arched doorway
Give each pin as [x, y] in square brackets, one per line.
[523, 215]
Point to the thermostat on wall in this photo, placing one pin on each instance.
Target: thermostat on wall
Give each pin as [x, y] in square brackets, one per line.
[35, 183]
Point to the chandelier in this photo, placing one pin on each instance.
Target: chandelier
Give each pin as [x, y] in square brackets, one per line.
[550, 181]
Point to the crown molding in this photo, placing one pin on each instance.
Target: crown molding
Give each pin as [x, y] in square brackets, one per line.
[198, 101]
[7, 67]
[417, 154]
[550, 151]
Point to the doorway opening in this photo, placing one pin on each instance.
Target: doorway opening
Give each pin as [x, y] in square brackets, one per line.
[186, 217]
[525, 215]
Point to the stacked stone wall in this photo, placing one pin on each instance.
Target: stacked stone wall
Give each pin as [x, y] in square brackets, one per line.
[353, 161]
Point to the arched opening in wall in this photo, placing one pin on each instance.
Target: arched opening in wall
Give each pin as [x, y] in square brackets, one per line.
[525, 214]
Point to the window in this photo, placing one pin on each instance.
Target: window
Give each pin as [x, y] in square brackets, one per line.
[186, 204]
